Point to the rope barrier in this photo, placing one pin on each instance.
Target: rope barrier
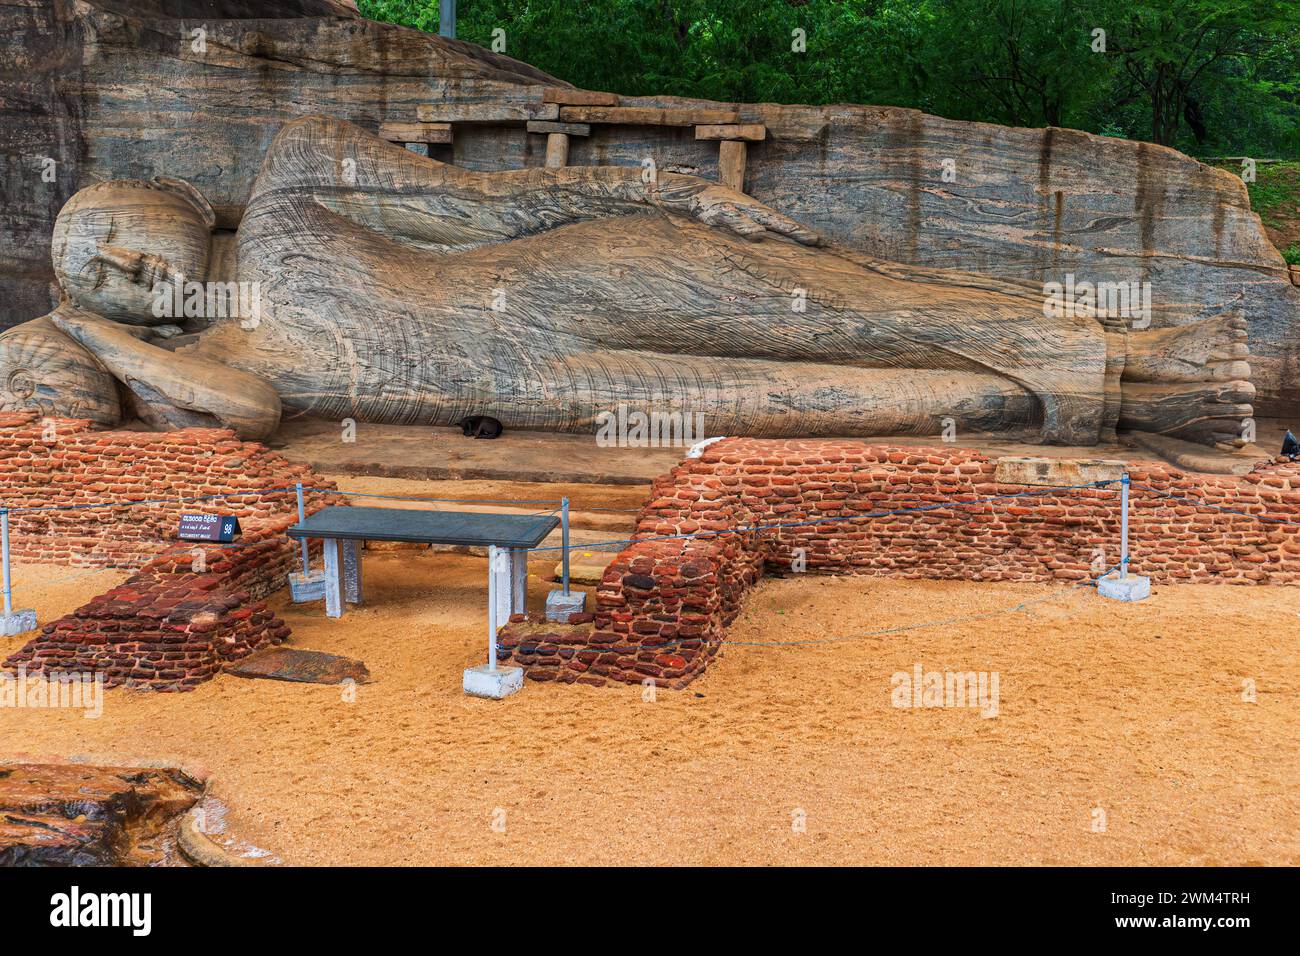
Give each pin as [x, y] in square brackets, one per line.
[254, 492]
[619, 543]
[1206, 504]
[90, 506]
[463, 501]
[840, 518]
[728, 642]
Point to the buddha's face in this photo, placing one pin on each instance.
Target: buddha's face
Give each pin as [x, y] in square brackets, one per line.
[115, 243]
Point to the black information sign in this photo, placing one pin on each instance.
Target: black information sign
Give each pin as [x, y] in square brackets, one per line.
[223, 528]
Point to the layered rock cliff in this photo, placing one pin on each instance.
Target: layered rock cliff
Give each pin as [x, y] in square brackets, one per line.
[119, 88]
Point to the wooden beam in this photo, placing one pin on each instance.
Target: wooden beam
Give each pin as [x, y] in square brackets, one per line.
[557, 150]
[731, 164]
[485, 112]
[753, 132]
[568, 129]
[566, 96]
[645, 115]
[415, 132]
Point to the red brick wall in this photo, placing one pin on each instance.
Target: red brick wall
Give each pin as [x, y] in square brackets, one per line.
[178, 621]
[1043, 537]
[660, 614]
[651, 598]
[60, 462]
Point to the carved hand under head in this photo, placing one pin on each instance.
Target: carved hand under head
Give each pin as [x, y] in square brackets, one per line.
[118, 247]
[397, 289]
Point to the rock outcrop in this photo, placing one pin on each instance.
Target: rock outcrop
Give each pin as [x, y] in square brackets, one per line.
[76, 815]
[102, 89]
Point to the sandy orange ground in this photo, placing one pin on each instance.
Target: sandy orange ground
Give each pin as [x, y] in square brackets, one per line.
[1137, 710]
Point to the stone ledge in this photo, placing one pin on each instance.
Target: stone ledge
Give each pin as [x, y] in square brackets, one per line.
[1057, 472]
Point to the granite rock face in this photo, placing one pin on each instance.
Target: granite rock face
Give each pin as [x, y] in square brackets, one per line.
[75, 815]
[101, 89]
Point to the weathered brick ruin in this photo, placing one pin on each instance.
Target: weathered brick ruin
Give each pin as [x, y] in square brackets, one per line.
[54, 463]
[171, 625]
[663, 606]
[191, 608]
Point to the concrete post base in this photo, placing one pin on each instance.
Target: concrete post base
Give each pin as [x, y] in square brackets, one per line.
[480, 681]
[1135, 587]
[559, 606]
[17, 622]
[307, 587]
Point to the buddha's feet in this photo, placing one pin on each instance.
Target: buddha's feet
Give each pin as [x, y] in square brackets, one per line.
[1191, 382]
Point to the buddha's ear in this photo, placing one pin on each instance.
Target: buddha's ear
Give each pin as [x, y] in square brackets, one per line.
[196, 198]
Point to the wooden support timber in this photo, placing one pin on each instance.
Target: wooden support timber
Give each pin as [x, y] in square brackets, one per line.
[753, 132]
[432, 133]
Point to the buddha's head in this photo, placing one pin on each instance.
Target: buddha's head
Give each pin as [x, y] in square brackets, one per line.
[116, 242]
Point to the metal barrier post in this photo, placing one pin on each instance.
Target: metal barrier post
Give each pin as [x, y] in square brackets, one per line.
[1123, 526]
[564, 540]
[493, 553]
[4, 546]
[302, 517]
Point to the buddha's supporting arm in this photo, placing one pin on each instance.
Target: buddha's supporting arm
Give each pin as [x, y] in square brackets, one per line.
[173, 390]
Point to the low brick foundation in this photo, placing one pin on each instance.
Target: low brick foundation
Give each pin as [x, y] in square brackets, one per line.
[191, 608]
[663, 606]
[171, 626]
[64, 463]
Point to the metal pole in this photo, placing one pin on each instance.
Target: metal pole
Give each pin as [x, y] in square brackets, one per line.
[4, 546]
[1123, 527]
[447, 19]
[302, 518]
[492, 607]
[564, 540]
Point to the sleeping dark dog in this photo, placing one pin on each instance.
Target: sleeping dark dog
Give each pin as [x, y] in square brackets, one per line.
[480, 426]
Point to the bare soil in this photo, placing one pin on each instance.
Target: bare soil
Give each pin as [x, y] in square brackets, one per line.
[1122, 735]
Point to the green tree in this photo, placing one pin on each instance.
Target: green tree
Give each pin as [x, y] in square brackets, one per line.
[1176, 56]
[1220, 76]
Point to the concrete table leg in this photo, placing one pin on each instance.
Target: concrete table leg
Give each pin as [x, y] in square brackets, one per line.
[334, 597]
[518, 581]
[501, 592]
[352, 570]
[489, 680]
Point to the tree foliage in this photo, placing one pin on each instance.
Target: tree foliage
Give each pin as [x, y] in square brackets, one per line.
[1207, 76]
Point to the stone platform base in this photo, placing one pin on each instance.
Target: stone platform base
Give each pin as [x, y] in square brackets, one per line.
[1132, 588]
[17, 622]
[307, 587]
[495, 683]
[560, 607]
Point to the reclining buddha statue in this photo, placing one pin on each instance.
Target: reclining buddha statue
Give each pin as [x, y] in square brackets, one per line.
[393, 288]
